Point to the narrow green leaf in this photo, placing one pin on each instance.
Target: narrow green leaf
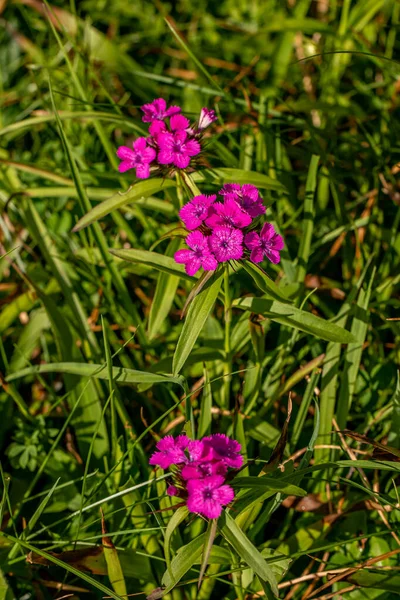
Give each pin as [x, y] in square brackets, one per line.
[120, 374]
[264, 283]
[297, 318]
[394, 435]
[226, 175]
[114, 569]
[247, 551]
[136, 192]
[308, 220]
[164, 295]
[157, 261]
[180, 514]
[197, 315]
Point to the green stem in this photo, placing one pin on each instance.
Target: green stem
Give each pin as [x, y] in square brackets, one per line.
[227, 340]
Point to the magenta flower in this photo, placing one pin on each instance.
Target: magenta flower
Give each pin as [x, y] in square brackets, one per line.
[268, 243]
[225, 449]
[157, 110]
[228, 213]
[247, 196]
[170, 451]
[207, 496]
[139, 158]
[196, 211]
[226, 243]
[177, 147]
[199, 470]
[207, 117]
[172, 490]
[198, 256]
[156, 128]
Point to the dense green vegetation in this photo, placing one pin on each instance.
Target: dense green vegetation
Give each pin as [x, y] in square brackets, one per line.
[96, 362]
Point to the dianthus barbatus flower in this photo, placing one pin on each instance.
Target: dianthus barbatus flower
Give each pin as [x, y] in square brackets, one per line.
[247, 196]
[229, 213]
[171, 451]
[139, 158]
[157, 110]
[207, 496]
[268, 243]
[226, 243]
[198, 256]
[207, 117]
[225, 449]
[196, 211]
[176, 147]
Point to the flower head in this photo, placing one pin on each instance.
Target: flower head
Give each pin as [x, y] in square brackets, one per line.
[198, 256]
[207, 496]
[176, 147]
[228, 213]
[199, 470]
[196, 211]
[268, 243]
[247, 196]
[226, 243]
[225, 449]
[139, 158]
[157, 110]
[207, 117]
[171, 451]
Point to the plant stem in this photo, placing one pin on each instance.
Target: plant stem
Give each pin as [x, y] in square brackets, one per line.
[227, 340]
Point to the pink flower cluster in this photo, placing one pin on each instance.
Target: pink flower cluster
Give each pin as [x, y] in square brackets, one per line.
[172, 143]
[220, 231]
[199, 470]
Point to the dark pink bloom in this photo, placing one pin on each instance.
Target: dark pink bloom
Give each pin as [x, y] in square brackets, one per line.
[177, 147]
[196, 211]
[268, 243]
[171, 451]
[198, 256]
[156, 128]
[172, 490]
[157, 110]
[247, 196]
[228, 213]
[207, 496]
[139, 158]
[225, 449]
[199, 470]
[207, 117]
[226, 243]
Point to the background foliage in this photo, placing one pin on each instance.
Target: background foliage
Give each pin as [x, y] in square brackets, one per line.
[88, 337]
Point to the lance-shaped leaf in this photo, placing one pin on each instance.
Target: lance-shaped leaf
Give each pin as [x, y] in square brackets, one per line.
[142, 189]
[157, 261]
[197, 315]
[292, 316]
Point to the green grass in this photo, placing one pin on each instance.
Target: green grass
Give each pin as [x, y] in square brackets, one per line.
[95, 359]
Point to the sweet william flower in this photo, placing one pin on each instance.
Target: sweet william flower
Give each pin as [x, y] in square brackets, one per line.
[207, 496]
[176, 147]
[199, 470]
[226, 243]
[139, 158]
[157, 110]
[247, 196]
[194, 213]
[225, 449]
[171, 451]
[229, 213]
[268, 243]
[198, 256]
[207, 116]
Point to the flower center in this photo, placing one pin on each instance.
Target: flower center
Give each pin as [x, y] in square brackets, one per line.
[207, 494]
[177, 147]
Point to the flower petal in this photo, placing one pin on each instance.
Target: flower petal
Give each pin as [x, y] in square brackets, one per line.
[267, 232]
[256, 255]
[140, 144]
[252, 240]
[179, 122]
[181, 160]
[183, 256]
[125, 153]
[143, 171]
[192, 147]
[125, 166]
[193, 266]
